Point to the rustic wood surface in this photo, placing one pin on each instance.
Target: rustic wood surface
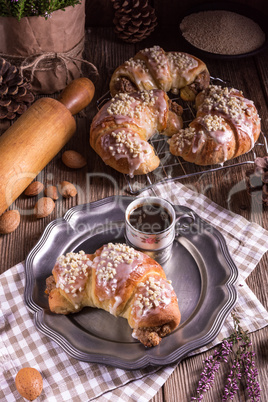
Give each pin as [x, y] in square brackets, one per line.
[107, 52]
[101, 12]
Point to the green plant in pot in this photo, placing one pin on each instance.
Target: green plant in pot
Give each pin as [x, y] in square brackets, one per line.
[33, 8]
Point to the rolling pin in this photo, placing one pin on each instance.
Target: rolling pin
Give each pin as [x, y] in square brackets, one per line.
[37, 136]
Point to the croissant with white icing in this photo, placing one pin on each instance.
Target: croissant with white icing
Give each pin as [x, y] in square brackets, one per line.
[120, 280]
[153, 68]
[226, 125]
[120, 130]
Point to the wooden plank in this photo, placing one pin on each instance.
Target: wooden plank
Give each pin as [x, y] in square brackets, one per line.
[261, 63]
[107, 52]
[100, 13]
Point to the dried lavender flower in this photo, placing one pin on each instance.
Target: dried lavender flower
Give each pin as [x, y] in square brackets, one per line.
[233, 379]
[212, 365]
[243, 363]
[251, 373]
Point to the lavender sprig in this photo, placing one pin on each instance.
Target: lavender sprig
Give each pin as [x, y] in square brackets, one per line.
[233, 379]
[243, 363]
[212, 365]
[251, 372]
[245, 357]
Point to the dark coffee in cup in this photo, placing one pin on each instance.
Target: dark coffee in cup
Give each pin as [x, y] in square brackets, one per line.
[150, 218]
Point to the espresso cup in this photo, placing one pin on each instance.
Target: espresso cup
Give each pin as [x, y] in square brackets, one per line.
[150, 226]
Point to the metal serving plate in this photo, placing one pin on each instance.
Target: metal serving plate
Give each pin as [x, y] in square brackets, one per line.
[201, 269]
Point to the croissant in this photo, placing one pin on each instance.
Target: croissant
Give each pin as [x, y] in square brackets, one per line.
[120, 280]
[154, 68]
[226, 125]
[120, 130]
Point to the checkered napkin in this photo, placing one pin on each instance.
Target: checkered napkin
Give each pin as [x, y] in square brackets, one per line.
[66, 379]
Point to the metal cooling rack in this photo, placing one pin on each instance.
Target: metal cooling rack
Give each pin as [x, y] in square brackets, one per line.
[172, 167]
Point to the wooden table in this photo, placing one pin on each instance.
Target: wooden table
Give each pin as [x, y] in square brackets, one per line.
[106, 52]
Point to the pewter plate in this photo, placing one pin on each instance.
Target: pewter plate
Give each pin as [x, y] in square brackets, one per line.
[200, 267]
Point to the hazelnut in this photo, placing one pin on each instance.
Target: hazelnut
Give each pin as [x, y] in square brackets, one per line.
[34, 189]
[9, 221]
[29, 383]
[73, 159]
[52, 192]
[44, 207]
[67, 189]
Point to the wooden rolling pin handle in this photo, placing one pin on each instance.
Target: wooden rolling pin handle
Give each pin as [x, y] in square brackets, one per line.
[37, 136]
[77, 95]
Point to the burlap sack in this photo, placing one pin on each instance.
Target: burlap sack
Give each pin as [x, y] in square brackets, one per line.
[49, 52]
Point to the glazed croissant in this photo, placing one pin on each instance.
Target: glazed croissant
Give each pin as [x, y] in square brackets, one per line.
[120, 130]
[120, 280]
[226, 125]
[154, 68]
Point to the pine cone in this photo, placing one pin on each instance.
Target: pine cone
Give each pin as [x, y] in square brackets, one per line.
[15, 91]
[134, 20]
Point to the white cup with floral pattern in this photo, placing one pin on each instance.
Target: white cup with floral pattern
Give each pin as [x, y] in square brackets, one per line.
[150, 226]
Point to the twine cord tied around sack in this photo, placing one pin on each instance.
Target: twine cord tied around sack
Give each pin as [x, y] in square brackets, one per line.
[34, 62]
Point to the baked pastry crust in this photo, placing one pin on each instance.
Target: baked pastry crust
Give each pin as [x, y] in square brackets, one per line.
[120, 280]
[153, 68]
[120, 131]
[226, 125]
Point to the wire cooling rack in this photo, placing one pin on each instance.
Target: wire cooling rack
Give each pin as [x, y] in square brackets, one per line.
[172, 167]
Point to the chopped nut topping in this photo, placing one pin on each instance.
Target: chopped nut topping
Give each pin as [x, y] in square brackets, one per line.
[152, 293]
[137, 64]
[182, 138]
[213, 122]
[127, 142]
[125, 104]
[227, 101]
[72, 270]
[181, 61]
[223, 107]
[111, 256]
[178, 61]
[157, 55]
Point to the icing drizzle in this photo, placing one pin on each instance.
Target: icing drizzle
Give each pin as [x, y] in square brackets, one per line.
[113, 267]
[126, 143]
[221, 108]
[152, 294]
[72, 274]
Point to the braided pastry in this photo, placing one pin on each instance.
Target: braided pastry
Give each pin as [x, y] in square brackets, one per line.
[226, 125]
[120, 130]
[154, 68]
[120, 280]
